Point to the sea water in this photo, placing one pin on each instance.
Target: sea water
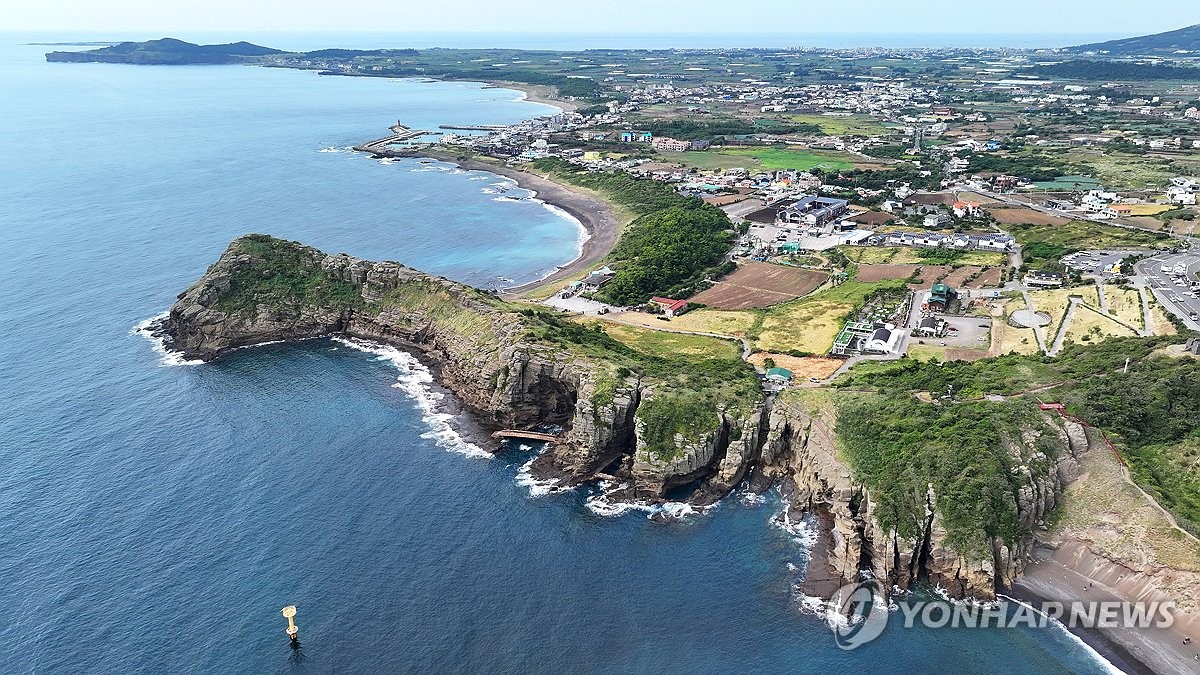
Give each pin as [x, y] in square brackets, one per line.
[155, 518]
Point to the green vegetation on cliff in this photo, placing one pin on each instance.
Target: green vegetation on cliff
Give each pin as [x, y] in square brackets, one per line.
[673, 245]
[1152, 411]
[899, 447]
[284, 274]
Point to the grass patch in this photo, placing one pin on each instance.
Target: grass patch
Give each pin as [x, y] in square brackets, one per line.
[668, 345]
[854, 125]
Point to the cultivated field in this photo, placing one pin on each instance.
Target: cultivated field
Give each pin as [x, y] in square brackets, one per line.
[990, 278]
[929, 275]
[758, 285]
[958, 277]
[854, 125]
[716, 321]
[809, 324]
[1015, 215]
[884, 272]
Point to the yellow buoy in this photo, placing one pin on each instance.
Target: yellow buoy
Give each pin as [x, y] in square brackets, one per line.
[290, 613]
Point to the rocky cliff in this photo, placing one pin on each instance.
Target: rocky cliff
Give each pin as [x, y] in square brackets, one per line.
[800, 451]
[515, 366]
[657, 427]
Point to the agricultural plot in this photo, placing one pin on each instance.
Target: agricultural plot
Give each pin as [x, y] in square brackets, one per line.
[854, 125]
[989, 278]
[929, 275]
[811, 323]
[1016, 215]
[958, 277]
[802, 367]
[719, 322]
[758, 285]
[885, 272]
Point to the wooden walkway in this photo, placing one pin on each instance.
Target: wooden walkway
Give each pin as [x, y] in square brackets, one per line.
[526, 435]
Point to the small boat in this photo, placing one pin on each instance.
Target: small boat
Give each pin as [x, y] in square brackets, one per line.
[505, 280]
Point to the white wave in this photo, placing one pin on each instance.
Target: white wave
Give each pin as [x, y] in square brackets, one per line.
[386, 160]
[167, 357]
[414, 380]
[601, 505]
[802, 531]
[506, 198]
[1103, 662]
[332, 149]
[537, 488]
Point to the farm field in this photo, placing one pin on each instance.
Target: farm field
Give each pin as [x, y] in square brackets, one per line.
[990, 278]
[758, 285]
[1016, 215]
[929, 275]
[906, 255]
[1144, 222]
[1124, 172]
[854, 125]
[760, 158]
[810, 323]
[717, 321]
[885, 272]
[958, 277]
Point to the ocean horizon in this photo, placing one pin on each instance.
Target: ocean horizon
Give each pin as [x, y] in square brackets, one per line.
[570, 41]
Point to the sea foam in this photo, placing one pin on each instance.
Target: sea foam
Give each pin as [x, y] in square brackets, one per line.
[415, 380]
[167, 357]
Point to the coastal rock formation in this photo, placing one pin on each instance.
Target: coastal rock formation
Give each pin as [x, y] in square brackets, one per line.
[800, 450]
[625, 416]
[514, 367]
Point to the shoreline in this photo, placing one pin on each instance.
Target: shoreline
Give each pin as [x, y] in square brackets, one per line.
[536, 93]
[1054, 576]
[594, 214]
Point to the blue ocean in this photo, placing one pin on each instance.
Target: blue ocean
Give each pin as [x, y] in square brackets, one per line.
[156, 517]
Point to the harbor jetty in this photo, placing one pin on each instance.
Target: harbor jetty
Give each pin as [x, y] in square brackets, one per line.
[382, 147]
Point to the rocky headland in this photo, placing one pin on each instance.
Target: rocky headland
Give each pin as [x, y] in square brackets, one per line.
[678, 430]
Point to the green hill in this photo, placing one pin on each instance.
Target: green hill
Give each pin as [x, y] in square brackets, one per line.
[167, 51]
[1171, 42]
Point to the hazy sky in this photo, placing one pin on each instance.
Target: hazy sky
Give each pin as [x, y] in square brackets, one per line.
[604, 16]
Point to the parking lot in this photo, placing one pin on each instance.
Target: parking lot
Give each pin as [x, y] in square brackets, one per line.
[970, 330]
[1100, 263]
[1177, 292]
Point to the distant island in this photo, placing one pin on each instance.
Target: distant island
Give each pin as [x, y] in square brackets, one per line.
[167, 51]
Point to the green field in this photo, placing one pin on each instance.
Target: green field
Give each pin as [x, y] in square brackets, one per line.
[1058, 240]
[855, 125]
[760, 158]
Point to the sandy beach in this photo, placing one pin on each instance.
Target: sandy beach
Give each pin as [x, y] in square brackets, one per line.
[538, 93]
[595, 214]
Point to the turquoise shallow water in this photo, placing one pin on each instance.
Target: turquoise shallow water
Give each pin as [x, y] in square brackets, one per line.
[155, 518]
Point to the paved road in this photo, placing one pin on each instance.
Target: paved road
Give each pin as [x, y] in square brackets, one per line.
[1171, 292]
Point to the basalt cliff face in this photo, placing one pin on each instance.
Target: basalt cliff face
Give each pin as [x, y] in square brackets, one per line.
[520, 367]
[800, 452]
[496, 357]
